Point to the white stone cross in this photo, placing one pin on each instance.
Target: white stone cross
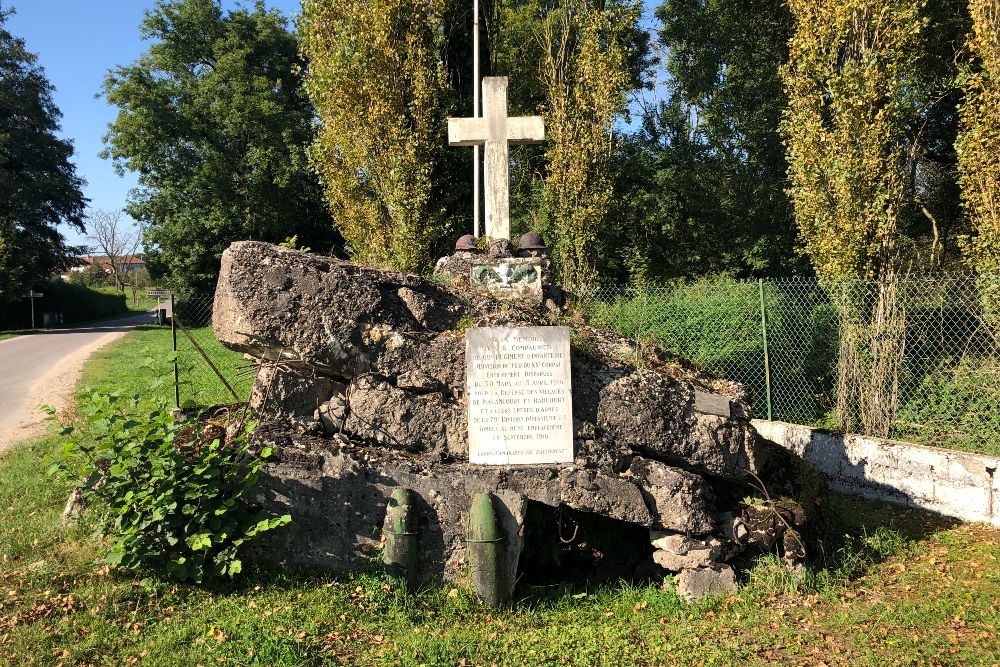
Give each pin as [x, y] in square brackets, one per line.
[496, 131]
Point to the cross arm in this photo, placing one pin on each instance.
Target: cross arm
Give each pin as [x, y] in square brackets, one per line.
[467, 131]
[525, 130]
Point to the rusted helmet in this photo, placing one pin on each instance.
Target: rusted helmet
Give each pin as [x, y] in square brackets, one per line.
[467, 242]
[531, 241]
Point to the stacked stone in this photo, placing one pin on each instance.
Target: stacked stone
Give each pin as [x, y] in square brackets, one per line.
[698, 564]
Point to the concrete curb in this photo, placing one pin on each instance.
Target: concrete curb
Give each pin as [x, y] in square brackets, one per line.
[956, 484]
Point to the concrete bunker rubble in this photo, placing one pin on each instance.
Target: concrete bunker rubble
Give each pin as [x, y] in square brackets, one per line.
[364, 379]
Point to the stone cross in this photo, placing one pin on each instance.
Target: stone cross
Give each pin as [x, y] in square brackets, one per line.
[496, 131]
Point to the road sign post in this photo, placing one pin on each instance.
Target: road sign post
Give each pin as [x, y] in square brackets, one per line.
[32, 296]
[160, 294]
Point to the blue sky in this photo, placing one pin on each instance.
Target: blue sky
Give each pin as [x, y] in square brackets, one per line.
[77, 42]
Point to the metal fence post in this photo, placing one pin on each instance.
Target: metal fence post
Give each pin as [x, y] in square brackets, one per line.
[767, 356]
[173, 335]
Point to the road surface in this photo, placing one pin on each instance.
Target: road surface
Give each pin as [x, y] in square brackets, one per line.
[42, 368]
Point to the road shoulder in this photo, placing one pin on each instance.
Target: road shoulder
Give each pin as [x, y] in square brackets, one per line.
[56, 388]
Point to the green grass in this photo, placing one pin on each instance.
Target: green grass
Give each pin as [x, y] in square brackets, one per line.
[894, 587]
[123, 365]
[946, 399]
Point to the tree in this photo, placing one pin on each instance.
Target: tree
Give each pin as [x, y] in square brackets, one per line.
[576, 61]
[91, 276]
[379, 79]
[716, 200]
[979, 142]
[871, 115]
[871, 105]
[39, 187]
[137, 281]
[113, 237]
[214, 120]
[586, 76]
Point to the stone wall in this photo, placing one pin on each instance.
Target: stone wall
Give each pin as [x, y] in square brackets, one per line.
[956, 484]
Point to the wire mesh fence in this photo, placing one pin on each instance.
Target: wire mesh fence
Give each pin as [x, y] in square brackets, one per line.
[789, 342]
[207, 372]
[817, 355]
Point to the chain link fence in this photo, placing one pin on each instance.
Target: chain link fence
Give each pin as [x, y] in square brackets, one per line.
[787, 342]
[207, 372]
[784, 340]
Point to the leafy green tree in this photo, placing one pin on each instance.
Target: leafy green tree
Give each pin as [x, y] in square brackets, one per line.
[214, 120]
[586, 76]
[871, 112]
[379, 78]
[717, 169]
[39, 187]
[871, 115]
[575, 61]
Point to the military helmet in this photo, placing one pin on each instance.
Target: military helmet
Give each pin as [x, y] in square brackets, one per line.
[467, 242]
[531, 241]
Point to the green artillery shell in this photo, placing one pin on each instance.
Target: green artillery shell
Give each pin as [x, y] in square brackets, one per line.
[485, 544]
[401, 538]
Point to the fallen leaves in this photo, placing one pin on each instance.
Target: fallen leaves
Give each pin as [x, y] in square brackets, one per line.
[217, 634]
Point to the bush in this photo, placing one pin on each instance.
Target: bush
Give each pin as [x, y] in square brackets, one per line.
[716, 323]
[955, 406]
[172, 494]
[710, 322]
[91, 276]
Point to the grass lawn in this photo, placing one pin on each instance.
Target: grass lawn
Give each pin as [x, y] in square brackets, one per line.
[901, 588]
[125, 365]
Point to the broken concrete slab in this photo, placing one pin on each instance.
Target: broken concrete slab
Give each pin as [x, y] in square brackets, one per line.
[695, 584]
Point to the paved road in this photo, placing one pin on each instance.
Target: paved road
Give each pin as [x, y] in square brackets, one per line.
[27, 360]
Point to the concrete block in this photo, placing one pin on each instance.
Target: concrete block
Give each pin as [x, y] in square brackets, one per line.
[956, 484]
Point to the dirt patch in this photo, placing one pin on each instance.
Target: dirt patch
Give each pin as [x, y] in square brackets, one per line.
[55, 388]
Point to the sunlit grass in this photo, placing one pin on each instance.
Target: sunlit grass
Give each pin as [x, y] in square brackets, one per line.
[889, 586]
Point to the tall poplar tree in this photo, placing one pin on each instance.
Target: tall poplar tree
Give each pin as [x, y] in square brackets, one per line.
[850, 79]
[378, 77]
[575, 61]
[979, 142]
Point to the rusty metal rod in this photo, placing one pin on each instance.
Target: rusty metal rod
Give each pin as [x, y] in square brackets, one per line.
[204, 356]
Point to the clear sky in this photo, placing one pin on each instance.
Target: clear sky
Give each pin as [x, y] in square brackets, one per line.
[77, 41]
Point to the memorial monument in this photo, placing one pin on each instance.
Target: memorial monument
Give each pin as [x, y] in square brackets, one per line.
[456, 424]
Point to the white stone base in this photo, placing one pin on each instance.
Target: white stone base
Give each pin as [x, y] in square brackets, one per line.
[956, 484]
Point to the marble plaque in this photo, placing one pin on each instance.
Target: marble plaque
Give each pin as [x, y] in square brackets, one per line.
[520, 397]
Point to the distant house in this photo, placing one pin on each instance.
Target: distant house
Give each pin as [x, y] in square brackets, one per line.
[126, 263]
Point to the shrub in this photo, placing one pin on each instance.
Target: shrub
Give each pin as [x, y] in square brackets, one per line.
[172, 494]
[77, 303]
[91, 276]
[955, 406]
[709, 322]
